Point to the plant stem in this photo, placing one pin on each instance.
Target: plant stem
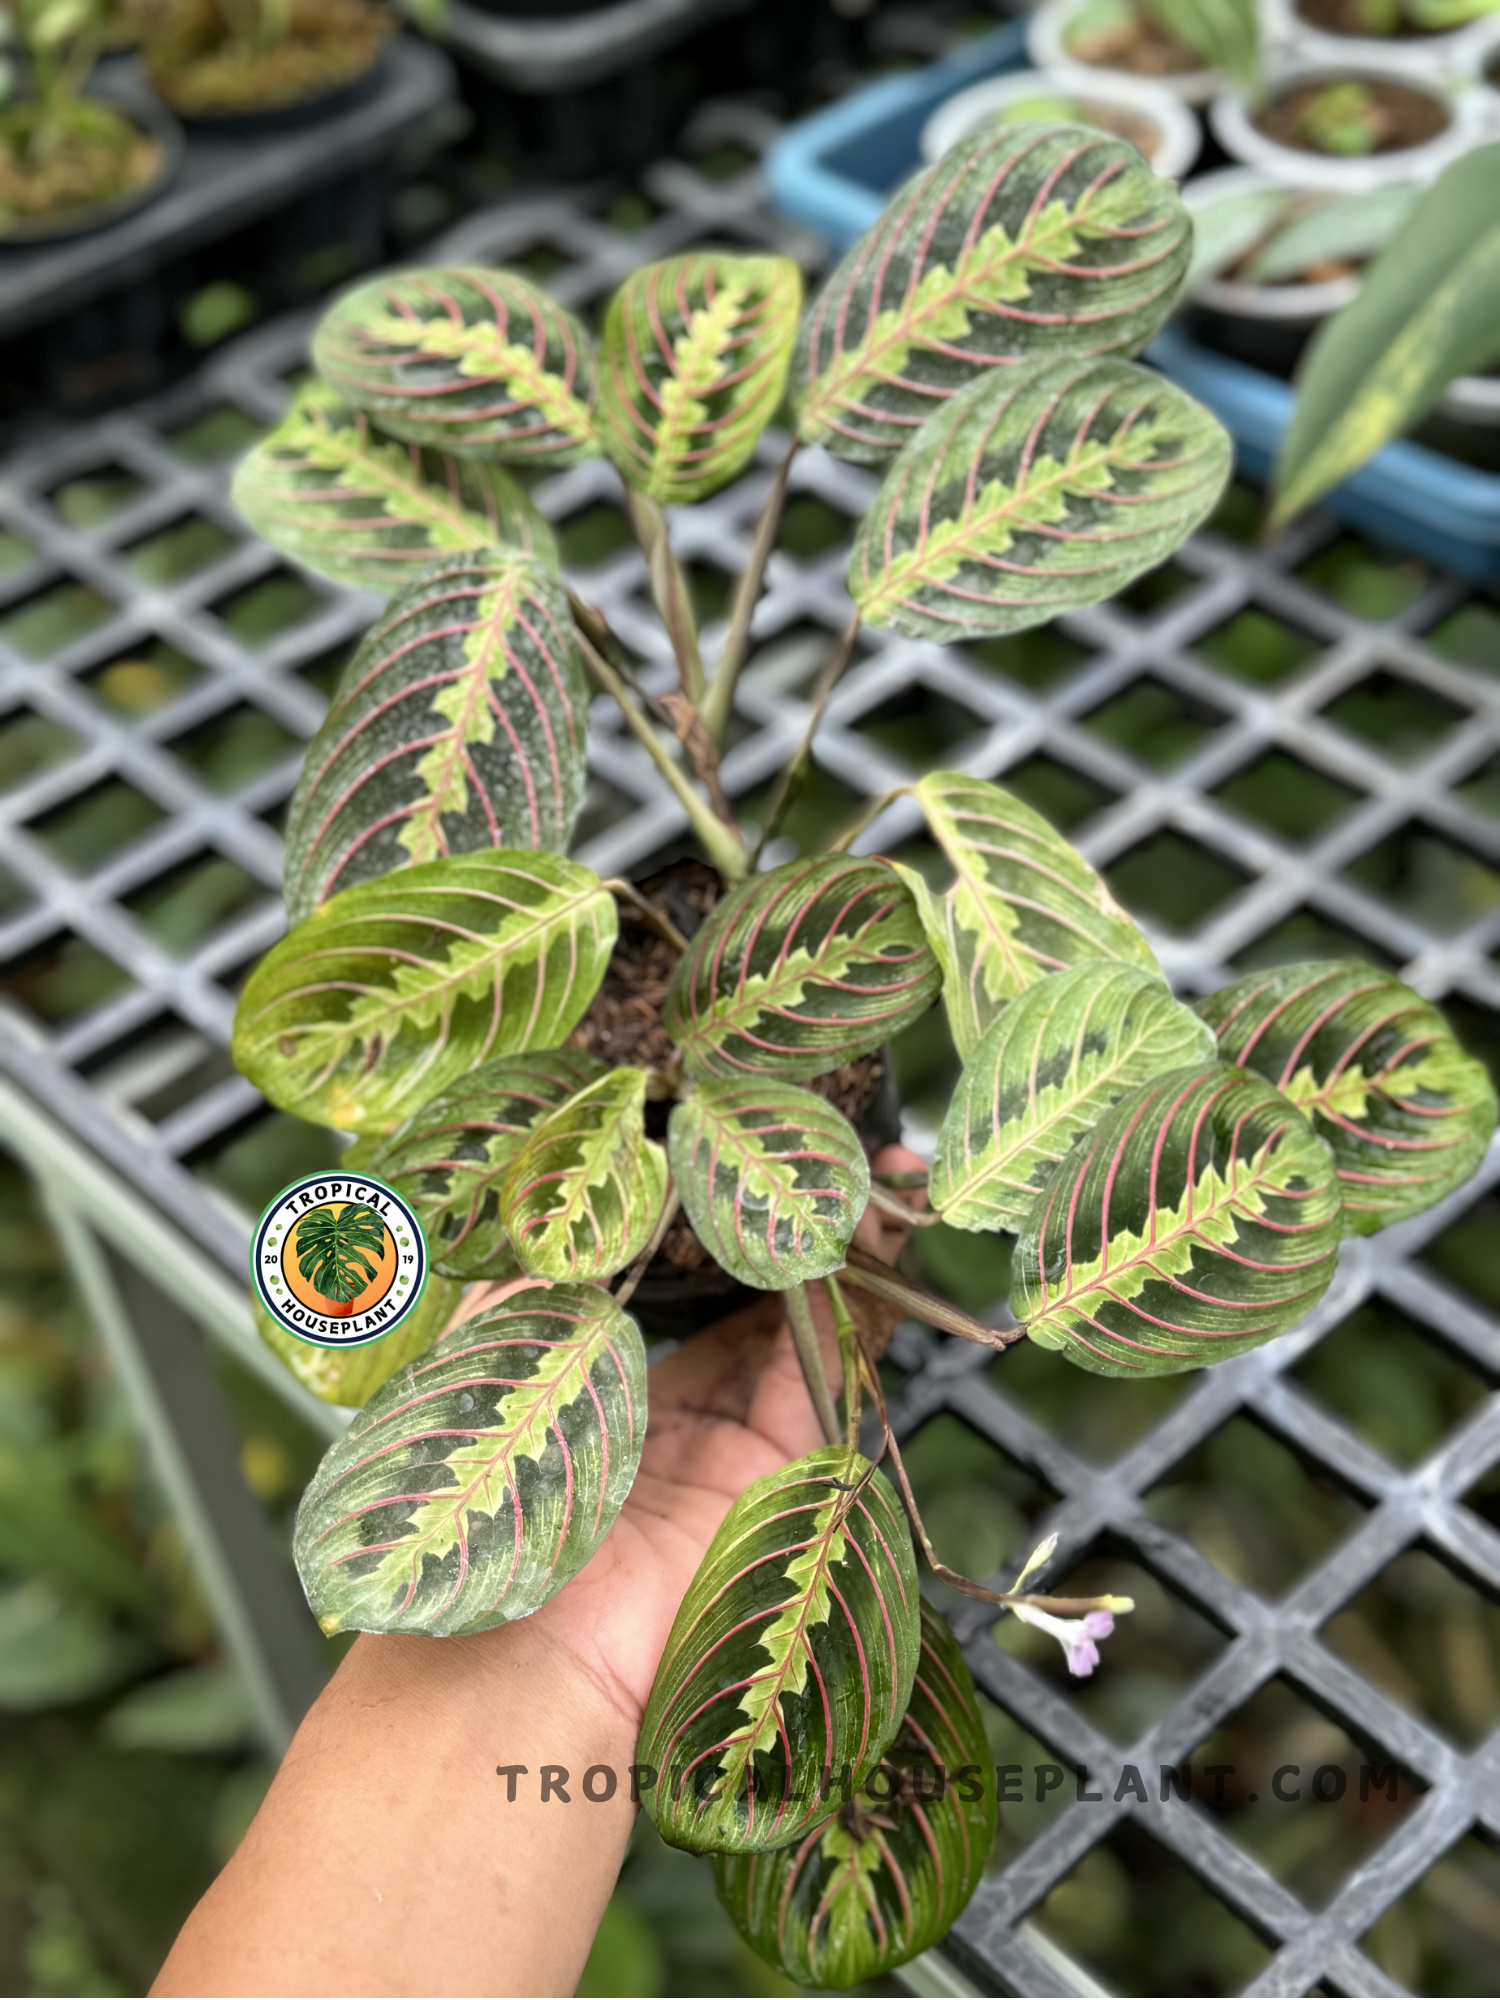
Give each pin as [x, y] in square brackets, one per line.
[659, 921]
[796, 770]
[891, 1205]
[642, 1263]
[849, 1353]
[721, 844]
[718, 703]
[669, 589]
[805, 1340]
[868, 1274]
[868, 817]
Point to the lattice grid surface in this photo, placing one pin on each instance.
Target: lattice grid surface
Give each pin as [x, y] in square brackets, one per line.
[1271, 753]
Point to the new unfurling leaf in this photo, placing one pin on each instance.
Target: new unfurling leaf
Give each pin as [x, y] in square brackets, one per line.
[458, 724]
[476, 362]
[1021, 241]
[478, 1480]
[392, 990]
[1375, 1070]
[586, 1187]
[791, 1657]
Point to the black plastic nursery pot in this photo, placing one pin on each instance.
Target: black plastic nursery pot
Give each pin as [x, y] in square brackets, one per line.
[93, 318]
[150, 118]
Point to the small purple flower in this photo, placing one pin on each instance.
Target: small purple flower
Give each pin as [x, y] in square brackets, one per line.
[1076, 1636]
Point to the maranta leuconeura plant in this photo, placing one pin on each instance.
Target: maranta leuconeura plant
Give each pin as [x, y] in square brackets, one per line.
[1177, 1177]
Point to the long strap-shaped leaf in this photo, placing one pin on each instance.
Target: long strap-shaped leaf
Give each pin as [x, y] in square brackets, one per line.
[1035, 491]
[392, 990]
[791, 1657]
[449, 1158]
[1023, 902]
[772, 1176]
[1376, 1071]
[477, 1481]
[692, 367]
[1049, 1068]
[584, 1190]
[459, 723]
[326, 489]
[885, 1877]
[478, 362]
[1022, 240]
[1199, 1218]
[801, 969]
[349, 1376]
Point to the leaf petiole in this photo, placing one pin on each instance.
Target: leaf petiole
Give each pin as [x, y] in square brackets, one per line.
[669, 588]
[805, 1340]
[718, 703]
[795, 772]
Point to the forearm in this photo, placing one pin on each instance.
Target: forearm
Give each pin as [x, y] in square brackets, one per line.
[387, 1858]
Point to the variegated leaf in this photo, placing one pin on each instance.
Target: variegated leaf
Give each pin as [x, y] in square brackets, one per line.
[479, 1479]
[772, 1176]
[1056, 1060]
[477, 362]
[791, 1658]
[1377, 1072]
[1023, 903]
[886, 1876]
[394, 989]
[801, 969]
[586, 1187]
[1199, 1218]
[449, 1158]
[350, 1376]
[459, 723]
[1039, 490]
[693, 366]
[334, 495]
[1021, 240]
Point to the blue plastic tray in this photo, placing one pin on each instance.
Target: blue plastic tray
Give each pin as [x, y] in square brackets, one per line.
[834, 172]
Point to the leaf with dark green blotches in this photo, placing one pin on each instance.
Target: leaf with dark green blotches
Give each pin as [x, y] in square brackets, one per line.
[449, 1157]
[459, 723]
[1377, 1072]
[1021, 240]
[326, 489]
[886, 1877]
[585, 1188]
[1198, 1219]
[802, 969]
[480, 363]
[792, 1655]
[478, 1480]
[394, 989]
[773, 1178]
[1023, 902]
[1056, 1060]
[1040, 489]
[692, 367]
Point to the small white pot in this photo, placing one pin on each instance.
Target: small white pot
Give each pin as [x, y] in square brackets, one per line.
[1481, 54]
[1179, 134]
[1281, 303]
[1468, 126]
[1441, 56]
[1047, 45]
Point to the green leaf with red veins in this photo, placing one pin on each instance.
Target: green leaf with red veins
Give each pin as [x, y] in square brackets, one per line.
[460, 723]
[693, 366]
[1375, 1069]
[773, 1178]
[480, 363]
[1023, 240]
[791, 1656]
[586, 1188]
[1023, 903]
[802, 969]
[326, 489]
[349, 1376]
[1198, 1219]
[885, 1877]
[477, 1481]
[1043, 489]
[396, 988]
[449, 1158]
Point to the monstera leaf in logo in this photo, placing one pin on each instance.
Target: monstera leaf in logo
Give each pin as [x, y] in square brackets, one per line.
[332, 1247]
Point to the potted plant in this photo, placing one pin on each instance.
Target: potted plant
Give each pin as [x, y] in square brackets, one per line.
[1435, 35]
[1161, 40]
[1137, 109]
[1178, 1179]
[69, 159]
[257, 64]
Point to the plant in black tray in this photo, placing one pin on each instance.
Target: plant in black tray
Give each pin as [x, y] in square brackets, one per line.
[1178, 1179]
[235, 58]
[64, 156]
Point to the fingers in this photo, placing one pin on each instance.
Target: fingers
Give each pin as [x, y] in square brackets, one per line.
[882, 1234]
